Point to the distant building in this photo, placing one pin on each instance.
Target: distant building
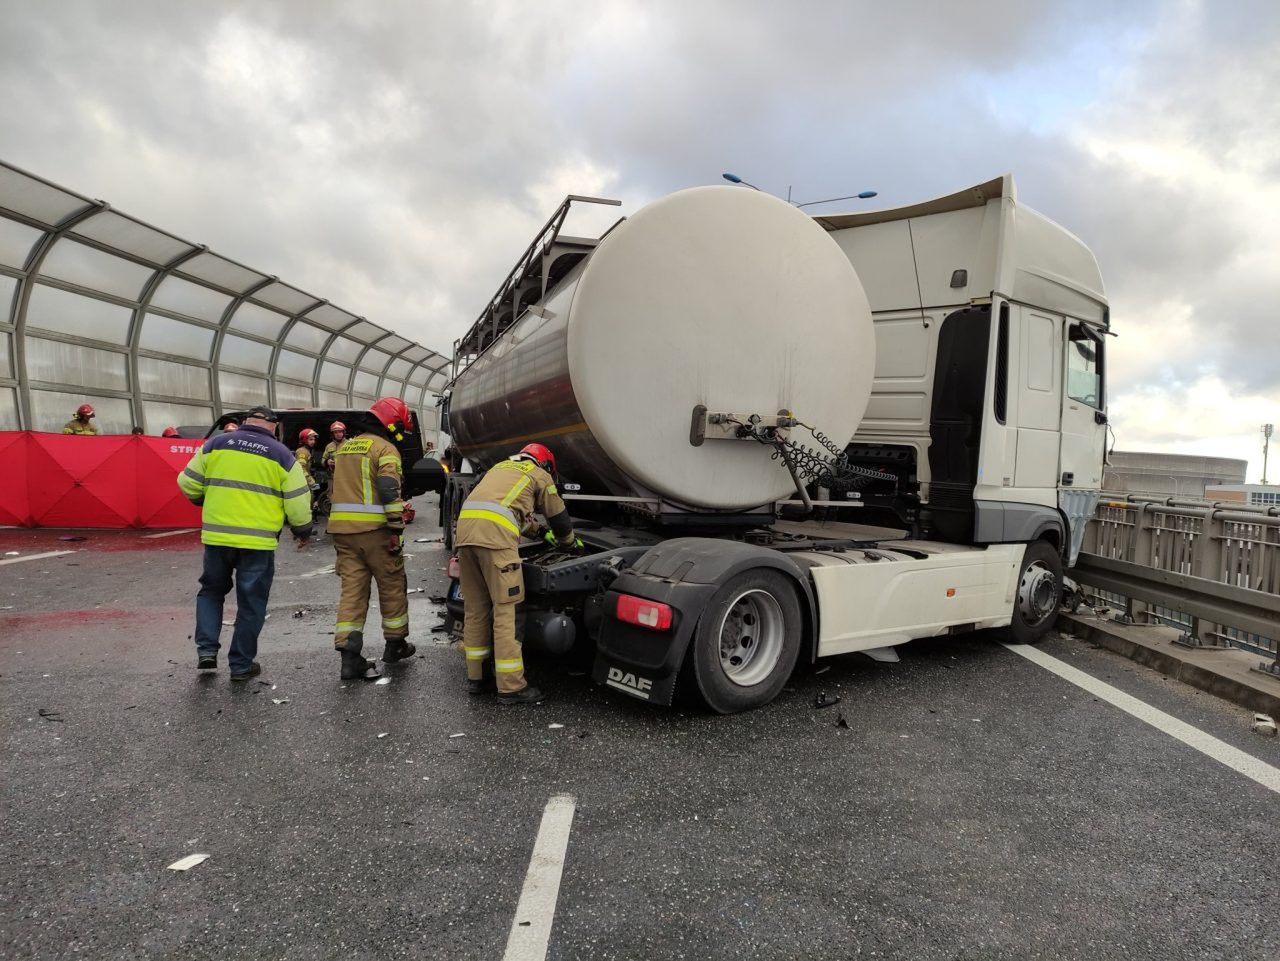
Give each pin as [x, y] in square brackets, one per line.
[1170, 475]
[1257, 495]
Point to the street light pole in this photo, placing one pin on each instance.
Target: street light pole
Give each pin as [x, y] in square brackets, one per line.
[1266, 444]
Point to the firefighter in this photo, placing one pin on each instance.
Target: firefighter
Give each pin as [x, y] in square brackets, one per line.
[337, 430]
[170, 432]
[366, 520]
[489, 527]
[81, 422]
[307, 439]
[231, 425]
[248, 486]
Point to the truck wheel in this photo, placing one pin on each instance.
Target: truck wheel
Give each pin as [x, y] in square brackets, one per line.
[1035, 607]
[746, 641]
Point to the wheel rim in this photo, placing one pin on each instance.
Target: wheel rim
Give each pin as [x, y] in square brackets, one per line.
[1037, 593]
[751, 636]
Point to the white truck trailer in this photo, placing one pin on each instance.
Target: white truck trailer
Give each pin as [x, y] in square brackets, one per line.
[785, 436]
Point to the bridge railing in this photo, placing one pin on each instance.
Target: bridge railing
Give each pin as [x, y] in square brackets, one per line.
[1210, 569]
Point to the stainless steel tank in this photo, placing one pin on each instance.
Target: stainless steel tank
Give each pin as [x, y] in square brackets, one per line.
[715, 296]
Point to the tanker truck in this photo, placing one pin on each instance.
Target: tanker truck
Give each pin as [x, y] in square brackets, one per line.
[788, 437]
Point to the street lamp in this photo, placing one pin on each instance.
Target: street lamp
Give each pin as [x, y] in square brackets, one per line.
[735, 179]
[864, 195]
[1266, 443]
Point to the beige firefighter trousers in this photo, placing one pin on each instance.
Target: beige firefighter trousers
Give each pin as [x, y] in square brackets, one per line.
[492, 586]
[362, 558]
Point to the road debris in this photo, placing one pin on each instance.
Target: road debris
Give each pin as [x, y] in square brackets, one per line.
[12, 553]
[823, 669]
[382, 735]
[457, 735]
[555, 727]
[1264, 724]
[187, 863]
[841, 722]
[382, 680]
[279, 700]
[299, 614]
[51, 715]
[823, 699]
[72, 537]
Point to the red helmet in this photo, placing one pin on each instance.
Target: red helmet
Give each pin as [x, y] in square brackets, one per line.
[336, 426]
[170, 432]
[84, 410]
[546, 460]
[307, 434]
[394, 414]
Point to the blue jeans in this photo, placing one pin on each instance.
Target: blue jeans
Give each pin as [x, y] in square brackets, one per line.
[254, 571]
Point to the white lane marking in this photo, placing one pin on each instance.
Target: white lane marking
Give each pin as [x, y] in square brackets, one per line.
[1206, 744]
[531, 928]
[317, 573]
[185, 530]
[34, 557]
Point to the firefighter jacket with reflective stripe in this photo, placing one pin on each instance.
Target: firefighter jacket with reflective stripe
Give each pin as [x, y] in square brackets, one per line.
[366, 489]
[499, 507]
[249, 485]
[77, 426]
[330, 449]
[303, 454]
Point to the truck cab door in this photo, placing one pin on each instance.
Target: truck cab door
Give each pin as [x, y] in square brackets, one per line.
[1084, 419]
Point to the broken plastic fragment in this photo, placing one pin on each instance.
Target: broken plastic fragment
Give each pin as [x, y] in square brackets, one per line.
[187, 863]
[383, 734]
[457, 735]
[824, 699]
[555, 727]
[279, 700]
[382, 680]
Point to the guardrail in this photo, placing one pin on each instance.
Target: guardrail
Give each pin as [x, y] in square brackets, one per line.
[1210, 569]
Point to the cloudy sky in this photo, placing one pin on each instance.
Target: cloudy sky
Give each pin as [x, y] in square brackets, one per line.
[395, 157]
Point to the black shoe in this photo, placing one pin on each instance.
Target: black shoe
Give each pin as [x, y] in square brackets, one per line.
[397, 649]
[526, 695]
[207, 662]
[254, 670]
[476, 687]
[354, 666]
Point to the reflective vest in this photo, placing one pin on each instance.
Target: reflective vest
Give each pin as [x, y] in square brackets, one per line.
[499, 507]
[356, 499]
[248, 485]
[78, 426]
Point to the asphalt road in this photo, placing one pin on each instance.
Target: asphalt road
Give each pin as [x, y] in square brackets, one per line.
[976, 806]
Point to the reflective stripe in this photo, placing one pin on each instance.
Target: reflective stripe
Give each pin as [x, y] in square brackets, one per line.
[509, 667]
[297, 492]
[250, 531]
[478, 653]
[500, 509]
[350, 626]
[490, 516]
[395, 621]
[198, 478]
[242, 486]
[389, 459]
[360, 508]
[515, 492]
[364, 476]
[551, 489]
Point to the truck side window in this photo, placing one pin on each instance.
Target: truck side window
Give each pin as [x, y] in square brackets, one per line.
[1084, 366]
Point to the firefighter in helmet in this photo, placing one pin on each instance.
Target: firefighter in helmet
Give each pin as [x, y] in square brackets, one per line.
[366, 519]
[170, 432]
[307, 445]
[338, 431]
[493, 516]
[82, 422]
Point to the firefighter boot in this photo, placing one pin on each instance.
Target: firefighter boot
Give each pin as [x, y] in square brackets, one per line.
[354, 666]
[526, 695]
[397, 649]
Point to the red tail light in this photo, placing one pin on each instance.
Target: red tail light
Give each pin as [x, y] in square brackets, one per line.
[455, 569]
[643, 613]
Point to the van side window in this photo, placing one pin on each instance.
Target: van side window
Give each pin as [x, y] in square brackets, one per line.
[1084, 366]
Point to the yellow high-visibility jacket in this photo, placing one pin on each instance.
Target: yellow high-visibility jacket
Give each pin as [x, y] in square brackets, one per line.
[366, 491]
[77, 426]
[303, 455]
[499, 507]
[248, 485]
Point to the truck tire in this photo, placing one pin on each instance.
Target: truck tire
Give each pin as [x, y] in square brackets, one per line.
[1035, 608]
[746, 642]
